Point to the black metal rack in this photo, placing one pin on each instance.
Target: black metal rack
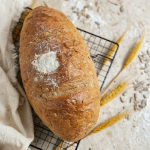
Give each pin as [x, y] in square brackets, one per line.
[99, 47]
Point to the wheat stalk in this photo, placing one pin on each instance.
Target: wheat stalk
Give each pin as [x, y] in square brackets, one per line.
[130, 58]
[110, 122]
[114, 47]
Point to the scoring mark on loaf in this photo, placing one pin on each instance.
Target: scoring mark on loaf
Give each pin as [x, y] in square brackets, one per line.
[46, 63]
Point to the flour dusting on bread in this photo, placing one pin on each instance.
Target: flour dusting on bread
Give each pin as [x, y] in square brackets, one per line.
[46, 63]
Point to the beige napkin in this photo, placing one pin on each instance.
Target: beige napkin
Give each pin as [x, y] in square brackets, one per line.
[16, 124]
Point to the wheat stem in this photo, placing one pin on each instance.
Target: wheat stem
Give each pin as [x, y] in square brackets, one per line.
[110, 83]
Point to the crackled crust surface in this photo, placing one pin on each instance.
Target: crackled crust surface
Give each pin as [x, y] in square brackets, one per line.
[70, 107]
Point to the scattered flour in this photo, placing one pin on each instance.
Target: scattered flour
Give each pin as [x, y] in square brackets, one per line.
[51, 81]
[36, 79]
[46, 63]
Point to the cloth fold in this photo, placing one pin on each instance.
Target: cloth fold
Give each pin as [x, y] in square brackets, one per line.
[16, 123]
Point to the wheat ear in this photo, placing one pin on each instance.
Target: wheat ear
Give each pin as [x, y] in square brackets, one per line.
[18, 28]
[114, 47]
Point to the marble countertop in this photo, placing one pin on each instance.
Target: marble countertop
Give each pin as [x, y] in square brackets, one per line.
[109, 19]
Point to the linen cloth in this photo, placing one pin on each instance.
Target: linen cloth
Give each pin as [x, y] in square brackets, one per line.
[16, 124]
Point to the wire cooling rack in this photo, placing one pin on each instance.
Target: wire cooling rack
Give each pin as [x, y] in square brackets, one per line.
[99, 47]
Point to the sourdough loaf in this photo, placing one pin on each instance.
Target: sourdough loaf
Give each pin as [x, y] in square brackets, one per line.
[58, 74]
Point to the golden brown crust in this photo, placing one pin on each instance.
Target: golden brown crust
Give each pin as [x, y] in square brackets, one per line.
[70, 108]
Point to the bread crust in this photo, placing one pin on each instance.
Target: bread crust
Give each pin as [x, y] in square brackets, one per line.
[70, 107]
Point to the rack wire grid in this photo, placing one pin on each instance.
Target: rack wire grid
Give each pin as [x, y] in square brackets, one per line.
[99, 47]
